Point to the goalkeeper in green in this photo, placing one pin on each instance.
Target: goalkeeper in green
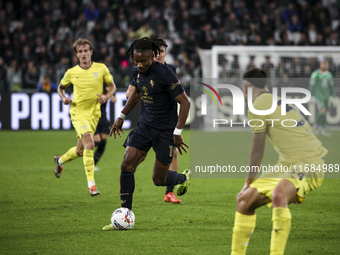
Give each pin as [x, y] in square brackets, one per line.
[321, 84]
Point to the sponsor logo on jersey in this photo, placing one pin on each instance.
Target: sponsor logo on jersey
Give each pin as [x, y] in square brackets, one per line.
[145, 91]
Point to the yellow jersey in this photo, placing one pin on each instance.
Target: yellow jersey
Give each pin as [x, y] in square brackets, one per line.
[291, 135]
[87, 83]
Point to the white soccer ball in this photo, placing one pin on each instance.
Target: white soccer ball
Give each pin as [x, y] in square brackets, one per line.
[123, 219]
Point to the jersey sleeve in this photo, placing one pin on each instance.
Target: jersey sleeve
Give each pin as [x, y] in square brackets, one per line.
[107, 76]
[134, 77]
[66, 80]
[258, 122]
[172, 83]
[312, 81]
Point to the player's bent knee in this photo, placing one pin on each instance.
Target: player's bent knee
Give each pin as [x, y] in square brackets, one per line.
[90, 146]
[249, 200]
[80, 152]
[244, 206]
[279, 200]
[243, 201]
[243, 197]
[126, 167]
[158, 180]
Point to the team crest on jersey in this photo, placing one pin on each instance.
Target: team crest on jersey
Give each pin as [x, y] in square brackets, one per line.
[84, 127]
[137, 75]
[137, 80]
[95, 74]
[152, 83]
[145, 91]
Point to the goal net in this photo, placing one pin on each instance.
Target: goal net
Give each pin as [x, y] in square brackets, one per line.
[285, 67]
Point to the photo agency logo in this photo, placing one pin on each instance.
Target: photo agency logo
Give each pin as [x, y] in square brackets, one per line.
[239, 104]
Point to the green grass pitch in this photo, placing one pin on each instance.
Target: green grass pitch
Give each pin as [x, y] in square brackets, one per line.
[40, 214]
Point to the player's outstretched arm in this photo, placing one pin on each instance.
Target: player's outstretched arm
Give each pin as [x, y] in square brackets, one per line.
[129, 91]
[61, 92]
[256, 153]
[184, 102]
[255, 158]
[131, 103]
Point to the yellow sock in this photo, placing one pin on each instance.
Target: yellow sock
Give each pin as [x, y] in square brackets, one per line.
[281, 226]
[89, 164]
[243, 228]
[69, 155]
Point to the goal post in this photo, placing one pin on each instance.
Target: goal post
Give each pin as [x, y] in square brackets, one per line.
[286, 66]
[276, 54]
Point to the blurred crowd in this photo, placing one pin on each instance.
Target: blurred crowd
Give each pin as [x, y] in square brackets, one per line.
[292, 67]
[289, 71]
[37, 35]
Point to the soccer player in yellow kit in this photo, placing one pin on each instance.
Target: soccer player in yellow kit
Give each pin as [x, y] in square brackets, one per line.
[87, 79]
[299, 150]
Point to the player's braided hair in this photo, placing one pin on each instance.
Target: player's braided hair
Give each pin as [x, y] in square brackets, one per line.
[144, 44]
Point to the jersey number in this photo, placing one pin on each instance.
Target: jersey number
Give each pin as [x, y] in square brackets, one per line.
[301, 175]
[171, 154]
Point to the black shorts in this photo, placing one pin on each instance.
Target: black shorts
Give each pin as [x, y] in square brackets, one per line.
[143, 137]
[103, 126]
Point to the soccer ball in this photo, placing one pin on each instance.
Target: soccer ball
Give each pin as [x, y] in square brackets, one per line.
[123, 219]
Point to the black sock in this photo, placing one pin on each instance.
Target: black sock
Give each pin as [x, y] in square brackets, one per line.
[127, 187]
[100, 150]
[169, 188]
[173, 178]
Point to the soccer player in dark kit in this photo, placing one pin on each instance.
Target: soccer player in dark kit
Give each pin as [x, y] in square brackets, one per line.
[169, 193]
[158, 126]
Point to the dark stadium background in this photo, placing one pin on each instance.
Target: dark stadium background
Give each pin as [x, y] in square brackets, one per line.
[36, 37]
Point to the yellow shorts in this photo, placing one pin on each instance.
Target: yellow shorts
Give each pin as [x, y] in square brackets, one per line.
[83, 126]
[302, 177]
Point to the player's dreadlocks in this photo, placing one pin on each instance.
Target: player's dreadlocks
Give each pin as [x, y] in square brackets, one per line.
[144, 44]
